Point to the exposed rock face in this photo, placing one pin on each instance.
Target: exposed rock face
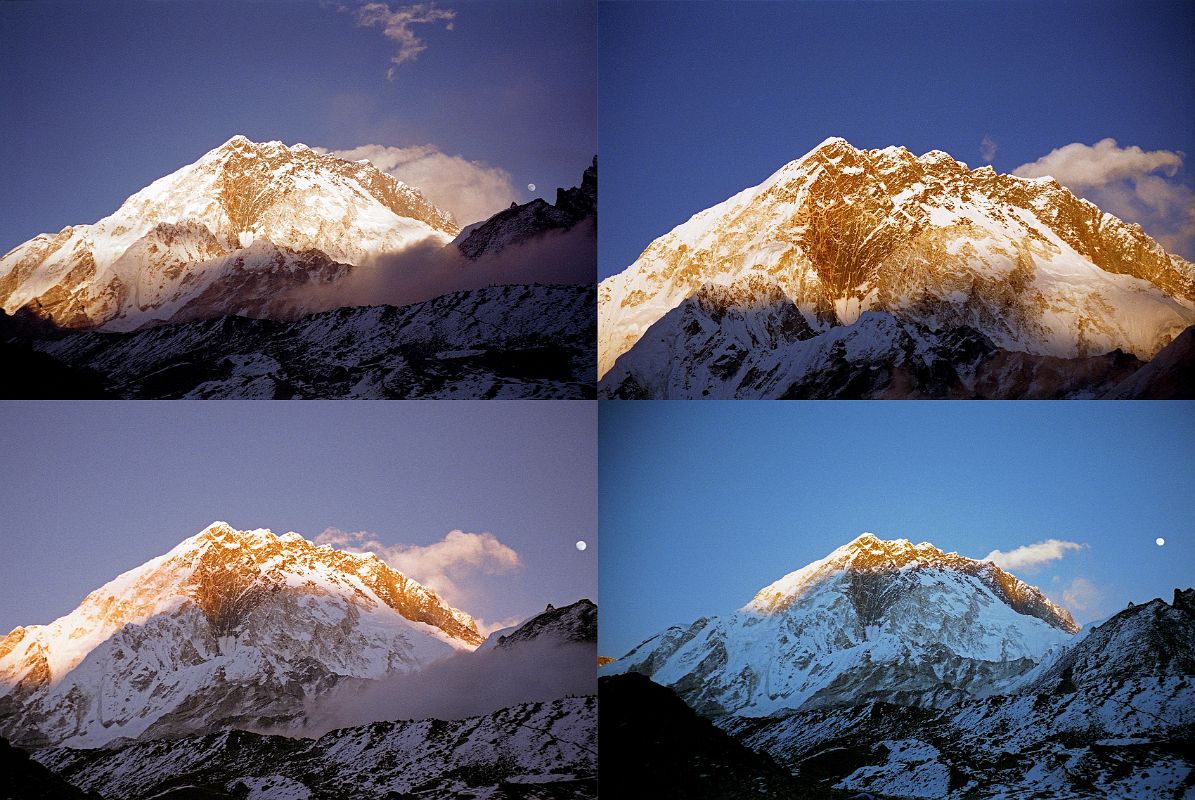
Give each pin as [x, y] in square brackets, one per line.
[1022, 263]
[520, 223]
[229, 629]
[241, 225]
[873, 621]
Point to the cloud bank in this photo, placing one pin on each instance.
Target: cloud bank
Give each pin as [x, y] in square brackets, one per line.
[443, 566]
[469, 190]
[1134, 184]
[1031, 556]
[463, 685]
[397, 24]
[428, 270]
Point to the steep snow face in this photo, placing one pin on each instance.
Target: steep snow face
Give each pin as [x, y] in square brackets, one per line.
[172, 241]
[843, 231]
[873, 620]
[228, 628]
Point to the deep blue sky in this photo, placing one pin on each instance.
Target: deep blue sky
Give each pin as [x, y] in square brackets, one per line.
[94, 489]
[99, 99]
[699, 101]
[703, 504]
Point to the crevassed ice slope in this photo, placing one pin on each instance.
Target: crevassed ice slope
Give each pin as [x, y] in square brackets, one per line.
[842, 231]
[192, 240]
[230, 628]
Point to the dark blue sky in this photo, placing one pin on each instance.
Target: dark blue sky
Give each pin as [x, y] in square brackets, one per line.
[699, 101]
[703, 504]
[99, 99]
[94, 489]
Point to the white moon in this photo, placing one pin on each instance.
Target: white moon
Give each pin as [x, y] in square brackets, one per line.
[581, 545]
[531, 187]
[1160, 541]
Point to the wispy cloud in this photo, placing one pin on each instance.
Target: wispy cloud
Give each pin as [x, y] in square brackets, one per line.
[1134, 184]
[987, 147]
[1080, 595]
[1032, 556]
[469, 190]
[444, 566]
[396, 24]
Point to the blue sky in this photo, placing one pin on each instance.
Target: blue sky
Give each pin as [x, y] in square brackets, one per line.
[703, 504]
[94, 489]
[99, 99]
[699, 101]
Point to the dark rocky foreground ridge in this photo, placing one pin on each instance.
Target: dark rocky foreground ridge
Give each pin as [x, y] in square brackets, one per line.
[499, 342]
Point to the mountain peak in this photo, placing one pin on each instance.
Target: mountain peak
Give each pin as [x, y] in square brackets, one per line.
[869, 555]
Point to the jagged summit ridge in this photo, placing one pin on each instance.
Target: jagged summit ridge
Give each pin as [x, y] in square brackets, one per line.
[842, 231]
[191, 243]
[870, 554]
[229, 627]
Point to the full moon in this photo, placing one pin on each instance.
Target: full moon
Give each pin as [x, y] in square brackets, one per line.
[531, 187]
[1160, 541]
[581, 545]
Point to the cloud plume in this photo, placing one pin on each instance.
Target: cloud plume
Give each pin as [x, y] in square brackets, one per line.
[1032, 556]
[428, 270]
[1080, 596]
[443, 566]
[1134, 184]
[463, 685]
[469, 190]
[396, 25]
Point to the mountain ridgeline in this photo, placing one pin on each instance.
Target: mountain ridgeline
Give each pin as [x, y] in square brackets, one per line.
[268, 271]
[201, 670]
[903, 671]
[876, 274]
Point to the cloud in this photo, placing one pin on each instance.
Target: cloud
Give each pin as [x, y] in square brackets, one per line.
[1080, 595]
[1079, 166]
[987, 148]
[397, 24]
[1032, 556]
[442, 566]
[469, 190]
[463, 685]
[1133, 184]
[428, 270]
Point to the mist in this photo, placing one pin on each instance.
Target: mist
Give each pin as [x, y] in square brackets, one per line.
[463, 685]
[428, 270]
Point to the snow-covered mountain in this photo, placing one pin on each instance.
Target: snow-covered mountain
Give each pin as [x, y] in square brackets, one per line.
[501, 342]
[1110, 716]
[522, 327]
[227, 234]
[229, 629]
[849, 261]
[539, 748]
[874, 620]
